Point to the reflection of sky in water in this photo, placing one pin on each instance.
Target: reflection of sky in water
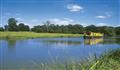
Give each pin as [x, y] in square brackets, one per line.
[17, 52]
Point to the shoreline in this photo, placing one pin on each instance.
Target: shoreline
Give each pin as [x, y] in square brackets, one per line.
[24, 35]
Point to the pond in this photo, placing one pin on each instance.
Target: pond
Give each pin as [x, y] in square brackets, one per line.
[28, 52]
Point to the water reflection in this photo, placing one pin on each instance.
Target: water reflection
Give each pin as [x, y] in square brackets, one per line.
[93, 41]
[11, 42]
[118, 40]
[63, 42]
[111, 41]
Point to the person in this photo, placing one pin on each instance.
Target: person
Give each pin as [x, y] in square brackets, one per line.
[86, 35]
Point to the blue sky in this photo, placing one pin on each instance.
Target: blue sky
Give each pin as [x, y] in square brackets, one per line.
[62, 12]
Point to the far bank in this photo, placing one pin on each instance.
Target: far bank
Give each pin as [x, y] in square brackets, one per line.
[35, 35]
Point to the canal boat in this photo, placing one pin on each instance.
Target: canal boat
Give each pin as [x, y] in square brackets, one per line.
[92, 35]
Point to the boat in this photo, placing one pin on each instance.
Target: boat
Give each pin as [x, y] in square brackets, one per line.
[92, 35]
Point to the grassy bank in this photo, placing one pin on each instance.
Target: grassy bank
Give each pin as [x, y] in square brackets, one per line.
[108, 61]
[35, 35]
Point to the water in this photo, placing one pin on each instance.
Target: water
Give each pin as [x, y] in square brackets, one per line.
[28, 52]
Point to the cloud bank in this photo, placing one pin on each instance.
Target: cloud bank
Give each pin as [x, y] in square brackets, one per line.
[64, 21]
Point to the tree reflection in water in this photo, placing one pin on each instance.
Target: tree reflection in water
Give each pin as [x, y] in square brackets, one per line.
[65, 42]
[11, 44]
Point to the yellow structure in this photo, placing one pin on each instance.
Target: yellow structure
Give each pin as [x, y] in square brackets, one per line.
[93, 34]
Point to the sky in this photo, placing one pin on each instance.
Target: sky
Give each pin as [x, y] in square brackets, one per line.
[61, 12]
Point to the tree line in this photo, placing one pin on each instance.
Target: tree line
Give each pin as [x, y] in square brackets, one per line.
[48, 27]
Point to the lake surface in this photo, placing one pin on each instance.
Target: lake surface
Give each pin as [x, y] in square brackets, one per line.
[28, 52]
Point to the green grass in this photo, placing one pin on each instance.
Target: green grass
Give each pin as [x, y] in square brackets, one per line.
[35, 35]
[108, 61]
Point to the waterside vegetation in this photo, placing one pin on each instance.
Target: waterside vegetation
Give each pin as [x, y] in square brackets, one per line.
[107, 61]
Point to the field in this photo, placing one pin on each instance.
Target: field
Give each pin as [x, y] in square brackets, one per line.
[35, 35]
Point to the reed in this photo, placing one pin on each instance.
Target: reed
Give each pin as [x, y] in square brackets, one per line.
[107, 61]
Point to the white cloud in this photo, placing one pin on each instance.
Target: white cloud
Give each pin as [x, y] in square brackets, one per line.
[68, 19]
[85, 24]
[118, 25]
[74, 7]
[101, 24]
[106, 15]
[102, 17]
[19, 18]
[64, 21]
[28, 23]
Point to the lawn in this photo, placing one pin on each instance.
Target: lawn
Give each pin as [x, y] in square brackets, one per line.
[35, 35]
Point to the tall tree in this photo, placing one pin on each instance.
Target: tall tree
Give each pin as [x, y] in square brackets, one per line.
[12, 26]
[6, 27]
[47, 24]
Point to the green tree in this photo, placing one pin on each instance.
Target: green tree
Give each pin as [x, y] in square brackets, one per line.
[6, 27]
[52, 28]
[108, 31]
[77, 29]
[23, 27]
[37, 28]
[47, 24]
[1, 29]
[27, 28]
[117, 30]
[12, 26]
[91, 28]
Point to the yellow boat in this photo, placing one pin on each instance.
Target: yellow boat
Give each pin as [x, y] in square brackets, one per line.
[93, 35]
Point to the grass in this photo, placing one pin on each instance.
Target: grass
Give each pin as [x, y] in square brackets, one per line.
[35, 35]
[108, 61]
